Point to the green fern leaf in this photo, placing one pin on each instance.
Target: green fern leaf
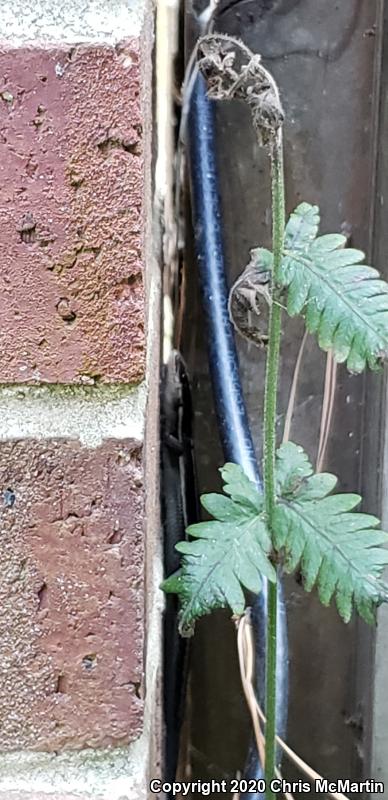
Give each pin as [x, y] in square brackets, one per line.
[339, 551]
[224, 555]
[343, 301]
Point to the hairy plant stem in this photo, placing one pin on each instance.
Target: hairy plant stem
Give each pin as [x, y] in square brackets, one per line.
[270, 401]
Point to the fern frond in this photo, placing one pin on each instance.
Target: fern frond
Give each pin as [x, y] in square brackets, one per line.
[343, 301]
[339, 551]
[224, 555]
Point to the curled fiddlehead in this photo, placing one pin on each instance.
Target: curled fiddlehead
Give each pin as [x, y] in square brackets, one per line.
[231, 70]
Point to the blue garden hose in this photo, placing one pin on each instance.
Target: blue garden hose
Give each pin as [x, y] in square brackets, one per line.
[224, 370]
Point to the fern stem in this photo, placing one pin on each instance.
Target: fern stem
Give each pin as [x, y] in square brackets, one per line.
[270, 402]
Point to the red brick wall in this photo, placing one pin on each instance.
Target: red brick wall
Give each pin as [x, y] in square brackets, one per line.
[74, 206]
[71, 584]
[72, 214]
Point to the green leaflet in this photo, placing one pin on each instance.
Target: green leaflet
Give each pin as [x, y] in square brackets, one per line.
[343, 301]
[225, 554]
[339, 551]
[261, 259]
[292, 466]
[239, 487]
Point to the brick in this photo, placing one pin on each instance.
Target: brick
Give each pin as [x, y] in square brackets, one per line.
[72, 202]
[71, 594]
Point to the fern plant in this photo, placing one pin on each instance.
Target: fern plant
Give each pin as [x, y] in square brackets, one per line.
[300, 520]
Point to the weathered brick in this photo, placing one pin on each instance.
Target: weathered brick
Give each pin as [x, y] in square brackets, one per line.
[71, 594]
[72, 200]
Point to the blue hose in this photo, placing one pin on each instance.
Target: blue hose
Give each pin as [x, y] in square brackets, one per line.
[224, 370]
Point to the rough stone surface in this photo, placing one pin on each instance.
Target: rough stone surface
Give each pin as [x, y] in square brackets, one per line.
[55, 796]
[88, 413]
[72, 214]
[83, 795]
[114, 773]
[70, 21]
[45, 796]
[71, 595]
